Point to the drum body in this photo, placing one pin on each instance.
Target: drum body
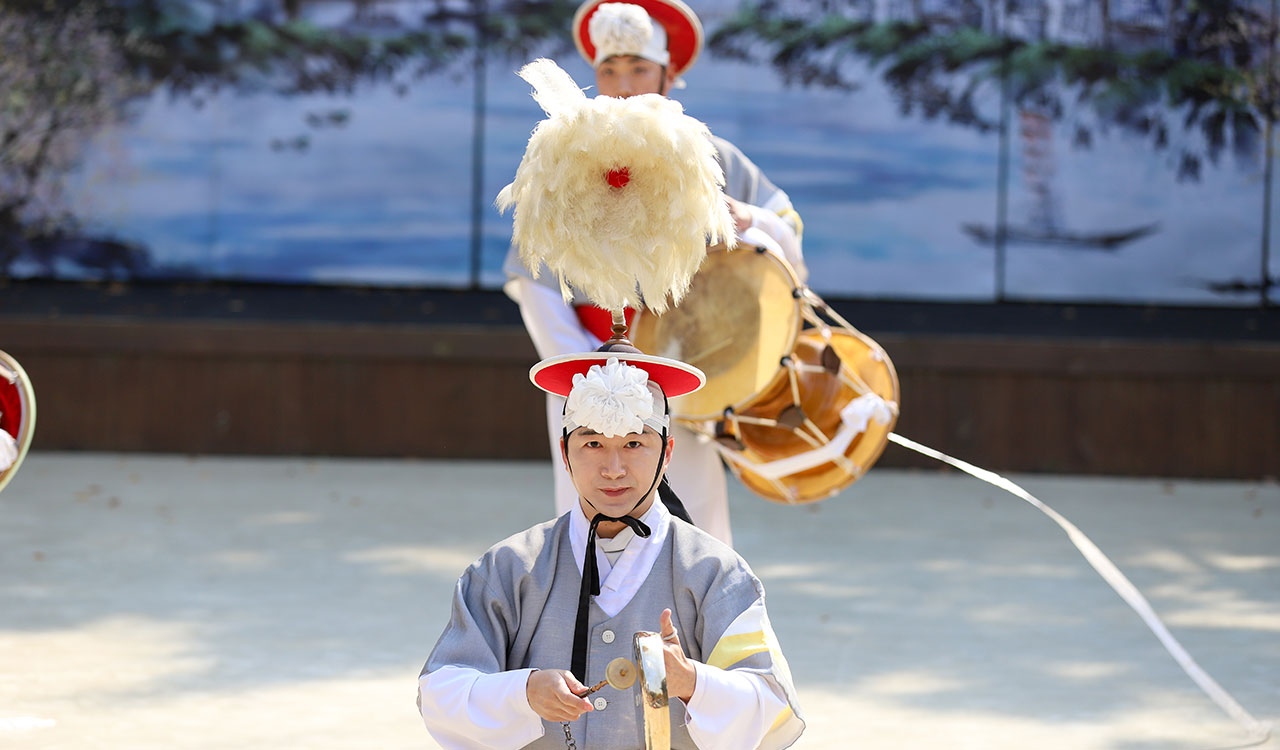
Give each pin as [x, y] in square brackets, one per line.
[799, 402]
[739, 318]
[17, 416]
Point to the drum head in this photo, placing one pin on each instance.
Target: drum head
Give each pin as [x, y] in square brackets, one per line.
[822, 396]
[17, 411]
[737, 321]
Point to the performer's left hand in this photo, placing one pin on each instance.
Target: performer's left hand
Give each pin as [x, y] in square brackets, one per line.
[742, 220]
[681, 678]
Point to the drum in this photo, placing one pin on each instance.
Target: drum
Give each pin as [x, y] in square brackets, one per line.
[799, 402]
[740, 316]
[17, 416]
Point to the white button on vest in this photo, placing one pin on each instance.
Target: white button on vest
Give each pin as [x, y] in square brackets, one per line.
[607, 636]
[601, 703]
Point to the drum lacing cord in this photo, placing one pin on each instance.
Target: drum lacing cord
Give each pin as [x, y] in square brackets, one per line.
[847, 376]
[809, 431]
[1258, 731]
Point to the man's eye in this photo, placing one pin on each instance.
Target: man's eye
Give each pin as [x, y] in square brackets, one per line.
[633, 444]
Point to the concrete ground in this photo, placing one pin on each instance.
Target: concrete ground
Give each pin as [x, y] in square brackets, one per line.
[168, 602]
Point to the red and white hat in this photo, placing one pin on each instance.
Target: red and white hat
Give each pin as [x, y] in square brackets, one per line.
[17, 416]
[607, 389]
[674, 38]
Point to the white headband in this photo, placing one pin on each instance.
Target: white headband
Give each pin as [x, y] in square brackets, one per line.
[626, 29]
[613, 400]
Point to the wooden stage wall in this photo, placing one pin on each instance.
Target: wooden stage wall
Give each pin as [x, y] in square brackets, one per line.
[1152, 408]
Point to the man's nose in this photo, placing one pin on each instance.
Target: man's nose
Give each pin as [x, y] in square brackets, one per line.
[613, 468]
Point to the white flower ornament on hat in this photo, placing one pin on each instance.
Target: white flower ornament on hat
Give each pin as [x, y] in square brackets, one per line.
[612, 400]
[8, 450]
[626, 29]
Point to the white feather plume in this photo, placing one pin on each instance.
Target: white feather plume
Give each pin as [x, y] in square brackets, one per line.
[618, 245]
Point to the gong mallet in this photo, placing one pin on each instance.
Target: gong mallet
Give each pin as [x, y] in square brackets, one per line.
[620, 674]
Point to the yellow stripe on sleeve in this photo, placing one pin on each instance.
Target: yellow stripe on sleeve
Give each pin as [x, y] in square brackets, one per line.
[732, 649]
[790, 214]
[783, 715]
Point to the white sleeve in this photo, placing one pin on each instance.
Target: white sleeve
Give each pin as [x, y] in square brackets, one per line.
[552, 324]
[730, 709]
[465, 709]
[780, 232]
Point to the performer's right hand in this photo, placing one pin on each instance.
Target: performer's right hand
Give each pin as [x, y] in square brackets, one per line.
[551, 694]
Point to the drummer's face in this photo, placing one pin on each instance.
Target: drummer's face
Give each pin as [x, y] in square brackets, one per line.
[613, 473]
[627, 75]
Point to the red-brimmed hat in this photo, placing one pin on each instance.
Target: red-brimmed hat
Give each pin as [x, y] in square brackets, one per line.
[684, 30]
[17, 411]
[555, 374]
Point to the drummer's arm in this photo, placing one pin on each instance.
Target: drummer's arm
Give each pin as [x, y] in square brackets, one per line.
[779, 222]
[552, 324]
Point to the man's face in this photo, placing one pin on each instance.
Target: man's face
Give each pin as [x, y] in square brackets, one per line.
[613, 473]
[625, 76]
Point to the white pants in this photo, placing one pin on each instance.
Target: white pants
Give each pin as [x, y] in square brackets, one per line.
[695, 473]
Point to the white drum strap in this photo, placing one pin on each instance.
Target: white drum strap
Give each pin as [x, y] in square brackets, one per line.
[854, 418]
[1258, 731]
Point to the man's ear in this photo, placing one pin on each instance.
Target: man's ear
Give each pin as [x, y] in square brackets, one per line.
[669, 82]
[671, 446]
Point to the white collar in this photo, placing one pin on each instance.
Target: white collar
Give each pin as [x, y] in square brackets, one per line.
[656, 518]
[620, 582]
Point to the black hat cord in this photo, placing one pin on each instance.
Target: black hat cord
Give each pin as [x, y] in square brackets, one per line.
[591, 569]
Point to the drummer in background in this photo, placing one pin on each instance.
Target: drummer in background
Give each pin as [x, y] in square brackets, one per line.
[643, 47]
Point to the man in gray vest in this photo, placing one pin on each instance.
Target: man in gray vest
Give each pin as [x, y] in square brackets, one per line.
[541, 614]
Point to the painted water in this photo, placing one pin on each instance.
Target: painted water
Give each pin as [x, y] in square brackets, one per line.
[375, 187]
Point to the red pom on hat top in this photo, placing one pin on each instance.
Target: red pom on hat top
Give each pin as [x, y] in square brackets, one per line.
[684, 30]
[618, 177]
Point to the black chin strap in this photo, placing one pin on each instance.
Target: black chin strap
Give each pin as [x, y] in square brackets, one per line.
[591, 568]
[591, 587]
[670, 499]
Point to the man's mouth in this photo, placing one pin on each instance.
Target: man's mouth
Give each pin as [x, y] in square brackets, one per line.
[614, 491]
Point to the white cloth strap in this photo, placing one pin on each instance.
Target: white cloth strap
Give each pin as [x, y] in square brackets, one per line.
[1258, 731]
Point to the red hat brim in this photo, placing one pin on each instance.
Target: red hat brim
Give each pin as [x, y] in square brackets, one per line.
[684, 30]
[17, 412]
[555, 375]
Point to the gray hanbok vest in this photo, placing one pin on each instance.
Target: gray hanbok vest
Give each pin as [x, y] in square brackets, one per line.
[515, 608]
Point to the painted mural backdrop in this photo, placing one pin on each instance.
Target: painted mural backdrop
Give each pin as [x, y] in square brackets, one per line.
[1064, 150]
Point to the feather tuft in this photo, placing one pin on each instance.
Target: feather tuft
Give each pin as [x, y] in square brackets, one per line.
[618, 246]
